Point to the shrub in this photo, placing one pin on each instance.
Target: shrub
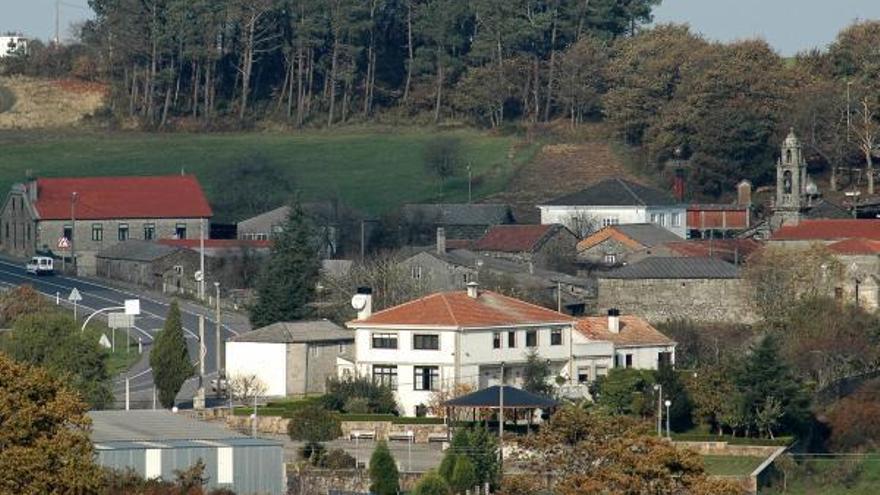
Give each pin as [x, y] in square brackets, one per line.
[854, 420]
[314, 424]
[357, 405]
[384, 477]
[379, 398]
[464, 476]
[312, 452]
[432, 483]
[625, 391]
[338, 459]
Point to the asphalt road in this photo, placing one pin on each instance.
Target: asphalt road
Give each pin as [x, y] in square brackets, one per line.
[97, 295]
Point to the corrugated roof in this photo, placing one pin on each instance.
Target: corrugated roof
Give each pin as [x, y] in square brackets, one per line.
[290, 332]
[634, 331]
[153, 426]
[674, 268]
[616, 192]
[855, 246]
[458, 213]
[100, 198]
[829, 229]
[515, 238]
[458, 310]
[726, 249]
[137, 250]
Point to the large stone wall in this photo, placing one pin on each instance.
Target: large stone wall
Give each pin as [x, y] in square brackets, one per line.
[659, 300]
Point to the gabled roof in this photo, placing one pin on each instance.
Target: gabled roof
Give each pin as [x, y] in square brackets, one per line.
[137, 250]
[101, 198]
[824, 230]
[726, 249]
[636, 236]
[521, 272]
[674, 268]
[616, 192]
[634, 331]
[458, 310]
[516, 238]
[855, 246]
[291, 332]
[458, 213]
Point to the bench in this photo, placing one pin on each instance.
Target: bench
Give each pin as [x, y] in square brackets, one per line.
[401, 436]
[362, 434]
[438, 437]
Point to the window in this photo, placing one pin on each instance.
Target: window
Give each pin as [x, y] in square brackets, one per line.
[531, 338]
[416, 272]
[426, 342]
[658, 218]
[601, 370]
[68, 232]
[466, 278]
[180, 231]
[426, 377]
[496, 339]
[664, 359]
[7, 231]
[97, 232]
[178, 269]
[675, 219]
[511, 339]
[28, 232]
[385, 375]
[556, 336]
[384, 341]
[316, 350]
[149, 231]
[629, 360]
[341, 347]
[838, 291]
[123, 231]
[606, 222]
[610, 259]
[583, 375]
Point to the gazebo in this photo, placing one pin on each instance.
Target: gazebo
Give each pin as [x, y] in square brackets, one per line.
[500, 398]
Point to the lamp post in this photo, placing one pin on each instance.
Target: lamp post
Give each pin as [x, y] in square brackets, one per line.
[73, 197]
[659, 388]
[218, 346]
[668, 403]
[501, 419]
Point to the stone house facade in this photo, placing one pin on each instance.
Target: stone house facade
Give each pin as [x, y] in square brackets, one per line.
[152, 265]
[95, 213]
[617, 244]
[544, 246]
[662, 289]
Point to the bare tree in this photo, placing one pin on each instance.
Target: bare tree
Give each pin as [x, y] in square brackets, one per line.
[252, 16]
[583, 224]
[247, 388]
[867, 130]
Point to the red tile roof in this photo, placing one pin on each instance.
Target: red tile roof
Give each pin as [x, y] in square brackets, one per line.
[458, 310]
[855, 246]
[634, 331]
[513, 238]
[829, 230]
[100, 198]
[216, 243]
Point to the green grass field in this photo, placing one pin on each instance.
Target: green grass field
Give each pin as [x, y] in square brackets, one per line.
[831, 475]
[728, 465]
[372, 170]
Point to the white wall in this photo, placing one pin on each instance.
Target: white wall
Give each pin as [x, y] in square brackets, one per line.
[644, 358]
[623, 214]
[268, 361]
[4, 44]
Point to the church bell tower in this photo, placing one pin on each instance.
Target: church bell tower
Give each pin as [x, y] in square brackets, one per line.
[791, 182]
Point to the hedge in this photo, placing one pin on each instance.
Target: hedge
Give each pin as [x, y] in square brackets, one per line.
[775, 442]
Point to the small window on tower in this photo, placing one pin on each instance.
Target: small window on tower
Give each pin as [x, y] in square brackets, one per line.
[787, 156]
[786, 182]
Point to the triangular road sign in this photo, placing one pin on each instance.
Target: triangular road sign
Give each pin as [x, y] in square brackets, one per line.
[74, 296]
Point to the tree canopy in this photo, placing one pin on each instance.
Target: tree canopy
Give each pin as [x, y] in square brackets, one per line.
[169, 358]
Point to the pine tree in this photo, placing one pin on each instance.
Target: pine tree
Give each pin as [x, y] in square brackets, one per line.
[464, 476]
[384, 477]
[432, 483]
[288, 280]
[169, 358]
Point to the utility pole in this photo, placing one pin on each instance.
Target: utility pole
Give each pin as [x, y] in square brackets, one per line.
[848, 111]
[73, 197]
[659, 388]
[501, 420]
[199, 399]
[202, 259]
[219, 344]
[469, 182]
[57, 22]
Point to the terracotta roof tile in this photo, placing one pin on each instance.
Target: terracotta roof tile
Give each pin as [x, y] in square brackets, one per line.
[457, 309]
[101, 198]
[513, 238]
[634, 331]
[829, 230]
[855, 246]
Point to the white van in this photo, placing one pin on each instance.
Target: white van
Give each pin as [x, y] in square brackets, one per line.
[40, 265]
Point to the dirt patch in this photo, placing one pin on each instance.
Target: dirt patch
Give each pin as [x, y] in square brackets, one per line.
[560, 169]
[44, 103]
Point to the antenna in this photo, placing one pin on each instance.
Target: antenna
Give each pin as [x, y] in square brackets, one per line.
[57, 22]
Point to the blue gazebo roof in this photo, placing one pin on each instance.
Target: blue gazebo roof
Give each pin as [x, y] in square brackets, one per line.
[490, 398]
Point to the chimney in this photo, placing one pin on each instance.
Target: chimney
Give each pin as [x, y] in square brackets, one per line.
[32, 190]
[744, 193]
[363, 303]
[678, 183]
[473, 290]
[441, 240]
[614, 320]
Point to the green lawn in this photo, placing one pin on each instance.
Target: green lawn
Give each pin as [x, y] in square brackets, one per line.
[729, 465]
[374, 170]
[831, 475]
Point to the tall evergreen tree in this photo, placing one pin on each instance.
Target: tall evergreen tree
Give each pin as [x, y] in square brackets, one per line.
[288, 280]
[384, 477]
[169, 358]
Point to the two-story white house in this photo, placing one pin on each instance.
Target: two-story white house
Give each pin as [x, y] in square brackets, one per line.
[616, 202]
[463, 337]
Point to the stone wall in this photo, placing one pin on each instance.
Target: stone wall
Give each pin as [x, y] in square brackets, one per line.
[314, 481]
[278, 426]
[659, 300]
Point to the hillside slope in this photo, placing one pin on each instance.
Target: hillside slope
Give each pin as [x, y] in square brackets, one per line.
[44, 103]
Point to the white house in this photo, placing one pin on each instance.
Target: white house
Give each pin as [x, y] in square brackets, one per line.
[615, 202]
[12, 44]
[463, 337]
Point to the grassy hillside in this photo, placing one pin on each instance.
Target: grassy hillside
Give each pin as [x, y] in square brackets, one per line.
[373, 170]
[28, 103]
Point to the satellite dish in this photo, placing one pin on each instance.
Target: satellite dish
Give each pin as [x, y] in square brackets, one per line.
[359, 301]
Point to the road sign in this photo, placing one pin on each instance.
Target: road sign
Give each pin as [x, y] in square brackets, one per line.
[133, 307]
[74, 296]
[63, 243]
[120, 320]
[199, 275]
[104, 341]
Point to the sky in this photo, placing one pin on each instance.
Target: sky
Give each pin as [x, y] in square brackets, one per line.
[789, 26]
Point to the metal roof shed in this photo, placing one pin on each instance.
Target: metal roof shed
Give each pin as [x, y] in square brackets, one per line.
[157, 443]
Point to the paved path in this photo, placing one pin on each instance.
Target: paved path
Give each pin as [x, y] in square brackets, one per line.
[154, 307]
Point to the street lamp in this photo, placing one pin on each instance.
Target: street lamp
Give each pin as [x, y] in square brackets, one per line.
[668, 403]
[73, 197]
[219, 342]
[659, 388]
